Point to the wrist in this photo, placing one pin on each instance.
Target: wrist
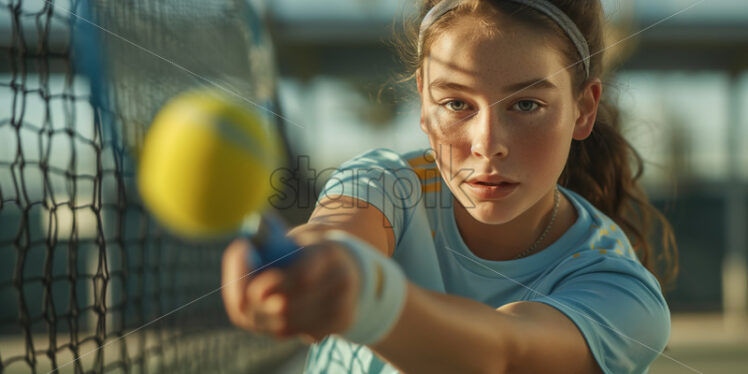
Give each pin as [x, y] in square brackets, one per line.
[382, 291]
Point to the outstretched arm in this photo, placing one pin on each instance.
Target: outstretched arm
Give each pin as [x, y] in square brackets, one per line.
[435, 332]
[440, 333]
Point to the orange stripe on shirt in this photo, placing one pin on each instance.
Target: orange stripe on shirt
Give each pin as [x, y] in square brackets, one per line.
[421, 160]
[424, 174]
[432, 187]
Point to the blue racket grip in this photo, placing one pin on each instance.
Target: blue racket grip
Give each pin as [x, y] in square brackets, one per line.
[270, 245]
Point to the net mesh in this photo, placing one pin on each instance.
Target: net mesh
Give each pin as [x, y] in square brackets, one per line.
[88, 281]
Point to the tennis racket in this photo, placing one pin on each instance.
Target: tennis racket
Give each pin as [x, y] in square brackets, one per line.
[139, 55]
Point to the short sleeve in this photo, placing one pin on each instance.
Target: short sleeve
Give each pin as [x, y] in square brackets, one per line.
[381, 178]
[619, 308]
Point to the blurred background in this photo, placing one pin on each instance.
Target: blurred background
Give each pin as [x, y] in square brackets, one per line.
[82, 264]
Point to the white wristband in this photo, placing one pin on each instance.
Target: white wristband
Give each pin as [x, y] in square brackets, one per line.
[382, 297]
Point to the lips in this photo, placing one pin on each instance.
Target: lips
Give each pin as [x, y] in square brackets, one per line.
[491, 180]
[491, 187]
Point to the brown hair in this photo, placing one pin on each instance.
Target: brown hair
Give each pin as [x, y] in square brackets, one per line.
[604, 168]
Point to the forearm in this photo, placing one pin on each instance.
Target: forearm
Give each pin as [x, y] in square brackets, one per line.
[440, 333]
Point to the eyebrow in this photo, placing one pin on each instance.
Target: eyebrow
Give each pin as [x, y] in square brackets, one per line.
[537, 83]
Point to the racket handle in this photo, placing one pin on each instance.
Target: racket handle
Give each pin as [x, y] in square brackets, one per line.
[271, 247]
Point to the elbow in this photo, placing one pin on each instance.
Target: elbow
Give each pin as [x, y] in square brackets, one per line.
[499, 365]
[506, 347]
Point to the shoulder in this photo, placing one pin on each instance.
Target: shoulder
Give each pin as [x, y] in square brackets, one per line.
[603, 257]
[604, 289]
[613, 299]
[598, 233]
[378, 168]
[380, 177]
[385, 157]
[417, 159]
[393, 171]
[601, 252]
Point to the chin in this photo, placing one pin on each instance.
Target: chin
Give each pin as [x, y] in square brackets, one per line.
[490, 214]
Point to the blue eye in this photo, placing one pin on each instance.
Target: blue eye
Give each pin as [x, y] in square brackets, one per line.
[456, 105]
[526, 106]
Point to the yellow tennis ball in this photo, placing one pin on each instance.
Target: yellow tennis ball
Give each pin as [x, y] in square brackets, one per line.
[206, 163]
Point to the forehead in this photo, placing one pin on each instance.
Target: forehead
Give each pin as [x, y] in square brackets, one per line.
[512, 52]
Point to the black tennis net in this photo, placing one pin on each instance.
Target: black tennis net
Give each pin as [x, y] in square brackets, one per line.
[88, 281]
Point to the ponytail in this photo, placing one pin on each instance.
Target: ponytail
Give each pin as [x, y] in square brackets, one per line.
[605, 169]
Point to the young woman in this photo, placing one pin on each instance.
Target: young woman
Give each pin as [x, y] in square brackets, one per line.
[516, 244]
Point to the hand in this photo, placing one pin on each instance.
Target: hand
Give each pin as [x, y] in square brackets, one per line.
[314, 297]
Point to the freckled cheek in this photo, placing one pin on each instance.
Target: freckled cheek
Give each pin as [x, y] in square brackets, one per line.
[451, 152]
[445, 130]
[439, 123]
[543, 151]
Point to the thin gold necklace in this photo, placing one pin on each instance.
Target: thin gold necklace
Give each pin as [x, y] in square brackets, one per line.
[556, 201]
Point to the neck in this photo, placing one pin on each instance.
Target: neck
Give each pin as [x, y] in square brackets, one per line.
[505, 241]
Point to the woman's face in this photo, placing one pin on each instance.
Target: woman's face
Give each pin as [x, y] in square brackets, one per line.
[500, 115]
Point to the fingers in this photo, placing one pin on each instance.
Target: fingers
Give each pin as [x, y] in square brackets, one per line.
[314, 296]
[319, 302]
[317, 312]
[309, 313]
[304, 274]
[243, 289]
[234, 272]
[278, 296]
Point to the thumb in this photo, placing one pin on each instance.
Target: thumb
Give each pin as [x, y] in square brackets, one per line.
[234, 277]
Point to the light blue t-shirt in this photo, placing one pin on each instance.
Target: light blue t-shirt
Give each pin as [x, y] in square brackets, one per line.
[590, 274]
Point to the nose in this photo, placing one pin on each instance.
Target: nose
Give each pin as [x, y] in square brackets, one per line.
[489, 138]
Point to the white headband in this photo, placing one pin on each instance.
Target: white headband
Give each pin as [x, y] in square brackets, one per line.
[550, 10]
